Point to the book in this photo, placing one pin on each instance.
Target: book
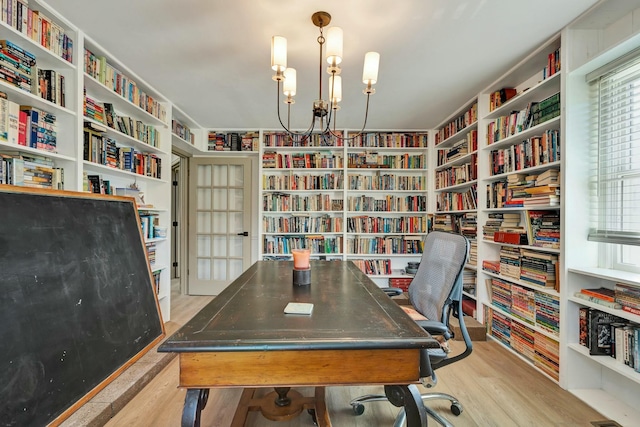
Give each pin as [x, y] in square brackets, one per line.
[601, 293]
[583, 327]
[298, 308]
[596, 300]
[600, 337]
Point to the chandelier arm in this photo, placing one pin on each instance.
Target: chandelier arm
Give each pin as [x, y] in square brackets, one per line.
[289, 131]
[364, 125]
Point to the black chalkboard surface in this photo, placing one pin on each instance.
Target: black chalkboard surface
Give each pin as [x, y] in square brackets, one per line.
[77, 303]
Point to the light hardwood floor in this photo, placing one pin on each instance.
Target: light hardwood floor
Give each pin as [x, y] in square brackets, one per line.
[495, 387]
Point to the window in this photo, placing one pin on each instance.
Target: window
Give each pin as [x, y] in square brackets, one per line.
[616, 161]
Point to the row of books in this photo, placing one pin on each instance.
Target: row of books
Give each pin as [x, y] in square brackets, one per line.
[318, 244]
[458, 124]
[389, 182]
[532, 152]
[529, 267]
[519, 190]
[403, 224]
[463, 223]
[302, 224]
[271, 159]
[606, 334]
[27, 126]
[456, 175]
[622, 297]
[454, 201]
[390, 140]
[106, 114]
[232, 141]
[387, 204]
[30, 170]
[37, 26]
[499, 97]
[103, 150]
[282, 202]
[459, 149]
[183, 131]
[532, 115]
[543, 351]
[553, 64]
[281, 139]
[327, 181]
[391, 161]
[374, 267]
[99, 68]
[385, 245]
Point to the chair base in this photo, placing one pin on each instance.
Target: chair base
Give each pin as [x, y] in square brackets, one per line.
[357, 405]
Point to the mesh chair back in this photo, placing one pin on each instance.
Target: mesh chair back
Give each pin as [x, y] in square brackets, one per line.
[443, 259]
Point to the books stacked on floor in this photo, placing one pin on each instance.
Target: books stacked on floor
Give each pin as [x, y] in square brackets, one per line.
[547, 355]
[547, 312]
[469, 281]
[544, 228]
[510, 262]
[539, 268]
[629, 297]
[606, 334]
[374, 266]
[400, 283]
[17, 66]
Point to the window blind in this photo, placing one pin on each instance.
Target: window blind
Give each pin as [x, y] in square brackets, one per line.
[615, 150]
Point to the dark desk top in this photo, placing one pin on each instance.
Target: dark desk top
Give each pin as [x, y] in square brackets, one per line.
[350, 312]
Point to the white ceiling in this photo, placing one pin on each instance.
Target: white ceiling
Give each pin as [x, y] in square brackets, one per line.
[212, 58]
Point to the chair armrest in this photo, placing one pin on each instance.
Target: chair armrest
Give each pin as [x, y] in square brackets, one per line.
[392, 292]
[434, 327]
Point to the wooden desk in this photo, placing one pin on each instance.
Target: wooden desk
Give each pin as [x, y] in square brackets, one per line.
[355, 335]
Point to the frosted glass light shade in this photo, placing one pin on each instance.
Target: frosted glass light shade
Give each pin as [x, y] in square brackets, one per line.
[335, 84]
[334, 45]
[278, 53]
[370, 70]
[289, 85]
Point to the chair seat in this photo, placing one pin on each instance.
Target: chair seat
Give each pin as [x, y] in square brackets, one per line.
[413, 313]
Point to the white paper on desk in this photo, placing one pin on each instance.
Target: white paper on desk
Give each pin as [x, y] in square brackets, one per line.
[298, 308]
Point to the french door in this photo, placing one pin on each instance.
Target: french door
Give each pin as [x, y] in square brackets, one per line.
[219, 222]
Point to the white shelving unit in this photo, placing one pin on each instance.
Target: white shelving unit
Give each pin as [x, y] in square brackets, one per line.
[603, 34]
[344, 203]
[455, 182]
[153, 184]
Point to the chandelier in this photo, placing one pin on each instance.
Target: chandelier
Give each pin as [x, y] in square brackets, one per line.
[323, 112]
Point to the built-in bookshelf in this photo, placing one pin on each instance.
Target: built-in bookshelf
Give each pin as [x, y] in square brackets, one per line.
[519, 209]
[127, 142]
[456, 185]
[186, 134]
[359, 198]
[38, 91]
[606, 383]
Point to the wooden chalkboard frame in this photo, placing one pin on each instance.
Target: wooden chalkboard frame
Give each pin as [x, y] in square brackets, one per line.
[140, 286]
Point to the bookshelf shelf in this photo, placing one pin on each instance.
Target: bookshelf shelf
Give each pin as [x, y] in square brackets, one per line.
[543, 89]
[607, 362]
[552, 124]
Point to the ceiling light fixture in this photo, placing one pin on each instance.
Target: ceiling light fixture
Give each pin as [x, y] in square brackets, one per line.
[324, 113]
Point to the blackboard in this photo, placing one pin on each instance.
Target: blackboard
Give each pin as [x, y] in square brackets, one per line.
[77, 303]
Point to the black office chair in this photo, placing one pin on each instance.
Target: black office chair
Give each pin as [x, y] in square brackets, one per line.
[435, 294]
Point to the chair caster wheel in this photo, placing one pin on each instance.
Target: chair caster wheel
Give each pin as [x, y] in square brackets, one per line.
[358, 408]
[314, 417]
[456, 409]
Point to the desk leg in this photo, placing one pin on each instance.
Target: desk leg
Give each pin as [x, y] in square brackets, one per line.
[194, 403]
[409, 397]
